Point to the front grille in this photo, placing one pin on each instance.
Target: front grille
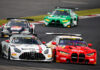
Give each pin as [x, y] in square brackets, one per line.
[32, 56]
[55, 23]
[74, 57]
[19, 31]
[16, 30]
[81, 57]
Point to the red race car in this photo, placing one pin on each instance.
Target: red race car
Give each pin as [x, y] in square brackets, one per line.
[72, 49]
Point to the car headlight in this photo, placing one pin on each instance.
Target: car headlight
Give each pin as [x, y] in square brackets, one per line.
[90, 54]
[17, 50]
[64, 53]
[47, 19]
[46, 51]
[65, 21]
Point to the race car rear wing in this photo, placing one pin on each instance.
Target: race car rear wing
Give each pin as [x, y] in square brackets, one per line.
[58, 7]
[21, 18]
[70, 34]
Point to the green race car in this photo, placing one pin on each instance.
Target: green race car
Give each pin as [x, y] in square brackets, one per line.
[62, 16]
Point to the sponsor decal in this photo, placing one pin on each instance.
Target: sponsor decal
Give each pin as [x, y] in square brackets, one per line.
[13, 54]
[40, 49]
[62, 58]
[91, 59]
[16, 28]
[49, 55]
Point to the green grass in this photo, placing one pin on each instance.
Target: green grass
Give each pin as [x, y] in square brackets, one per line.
[88, 12]
[80, 13]
[3, 21]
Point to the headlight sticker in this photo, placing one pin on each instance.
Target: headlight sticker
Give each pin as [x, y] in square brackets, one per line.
[90, 54]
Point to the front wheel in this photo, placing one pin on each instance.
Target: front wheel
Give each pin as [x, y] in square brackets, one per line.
[1, 49]
[9, 54]
[31, 31]
[76, 23]
[71, 24]
[54, 57]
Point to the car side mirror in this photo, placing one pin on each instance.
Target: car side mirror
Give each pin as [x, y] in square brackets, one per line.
[89, 45]
[43, 42]
[54, 43]
[7, 41]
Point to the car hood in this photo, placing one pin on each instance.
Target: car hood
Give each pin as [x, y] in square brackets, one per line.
[58, 17]
[30, 46]
[78, 49]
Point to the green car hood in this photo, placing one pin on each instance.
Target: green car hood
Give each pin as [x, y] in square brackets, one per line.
[58, 17]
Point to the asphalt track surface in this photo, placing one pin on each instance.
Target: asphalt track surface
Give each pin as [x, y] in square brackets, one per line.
[22, 8]
[90, 30]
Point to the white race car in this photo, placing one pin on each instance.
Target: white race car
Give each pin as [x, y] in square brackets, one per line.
[17, 26]
[25, 47]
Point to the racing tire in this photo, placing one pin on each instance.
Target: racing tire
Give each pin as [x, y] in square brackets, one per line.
[0, 49]
[34, 31]
[9, 54]
[54, 58]
[77, 23]
[71, 25]
[31, 30]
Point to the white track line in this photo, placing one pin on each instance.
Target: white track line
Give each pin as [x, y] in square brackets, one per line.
[74, 2]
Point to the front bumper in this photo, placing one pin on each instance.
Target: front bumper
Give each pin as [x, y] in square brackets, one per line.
[31, 56]
[15, 32]
[57, 23]
[75, 58]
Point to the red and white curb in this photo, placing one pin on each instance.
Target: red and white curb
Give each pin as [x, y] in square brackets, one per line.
[89, 16]
[38, 22]
[80, 17]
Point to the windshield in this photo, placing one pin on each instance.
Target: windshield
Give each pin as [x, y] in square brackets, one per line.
[72, 42]
[60, 12]
[25, 40]
[21, 23]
